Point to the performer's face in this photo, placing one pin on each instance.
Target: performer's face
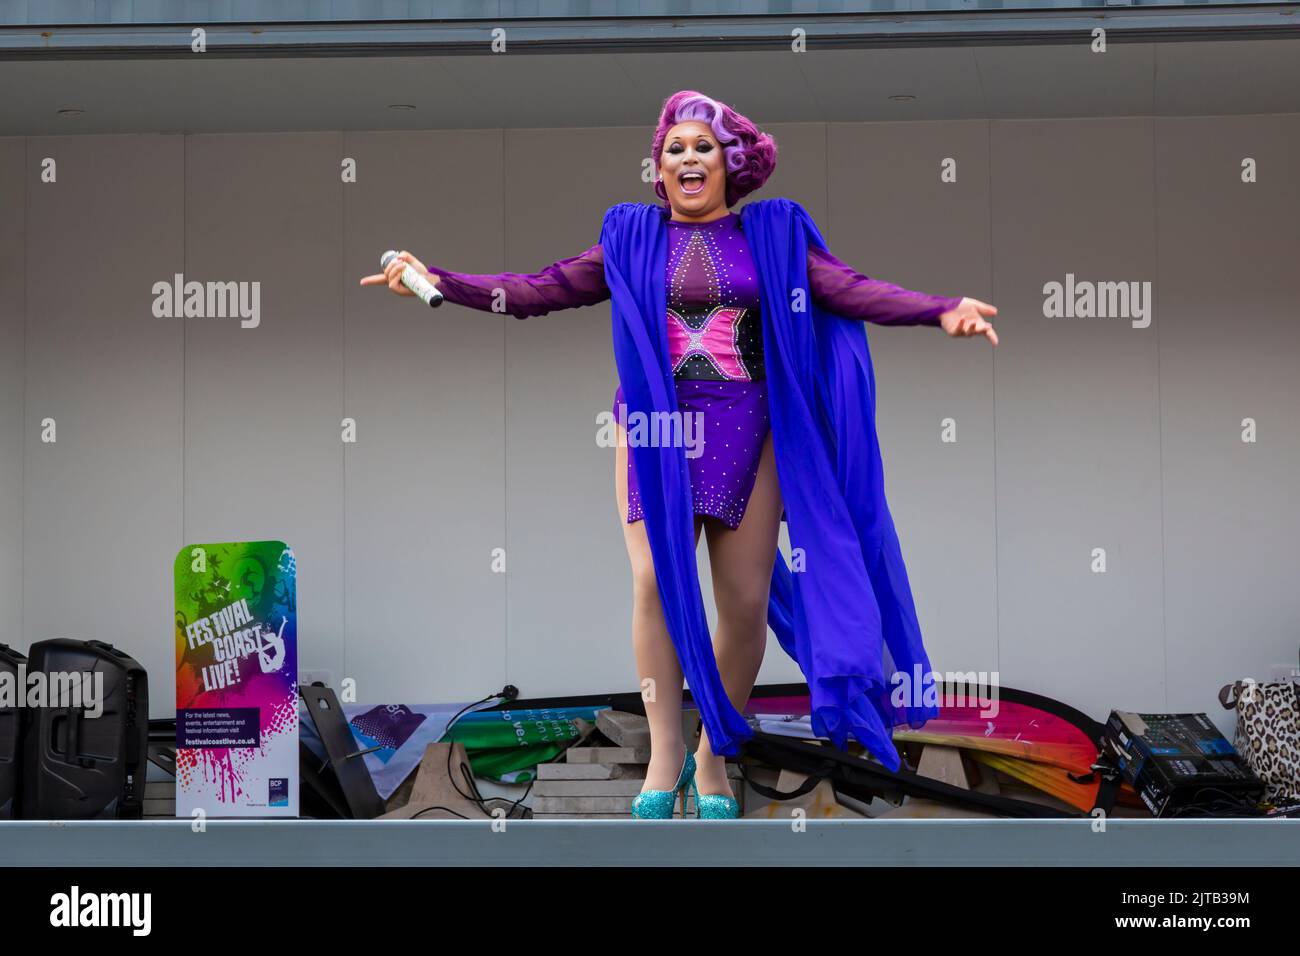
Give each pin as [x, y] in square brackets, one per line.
[693, 170]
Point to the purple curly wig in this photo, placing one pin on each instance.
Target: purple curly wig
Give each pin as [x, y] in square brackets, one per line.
[748, 152]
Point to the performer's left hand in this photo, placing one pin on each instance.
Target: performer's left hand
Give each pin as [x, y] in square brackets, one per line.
[969, 319]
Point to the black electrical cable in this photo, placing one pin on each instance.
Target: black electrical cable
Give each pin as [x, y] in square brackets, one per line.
[1227, 805]
[473, 796]
[508, 693]
[445, 809]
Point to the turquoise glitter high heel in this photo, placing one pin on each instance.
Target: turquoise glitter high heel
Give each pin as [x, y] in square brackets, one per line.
[714, 806]
[660, 804]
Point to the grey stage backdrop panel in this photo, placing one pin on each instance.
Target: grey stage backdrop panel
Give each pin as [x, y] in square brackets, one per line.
[263, 448]
[1228, 349]
[1078, 438]
[893, 218]
[425, 493]
[103, 502]
[13, 302]
[568, 584]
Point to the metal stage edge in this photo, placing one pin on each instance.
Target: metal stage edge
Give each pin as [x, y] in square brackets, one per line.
[957, 842]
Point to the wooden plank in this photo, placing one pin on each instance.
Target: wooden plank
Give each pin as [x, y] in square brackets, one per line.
[626, 730]
[628, 755]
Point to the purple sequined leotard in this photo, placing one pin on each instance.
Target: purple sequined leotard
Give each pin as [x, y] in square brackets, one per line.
[715, 340]
[715, 344]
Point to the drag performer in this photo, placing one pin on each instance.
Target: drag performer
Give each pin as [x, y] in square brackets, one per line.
[744, 322]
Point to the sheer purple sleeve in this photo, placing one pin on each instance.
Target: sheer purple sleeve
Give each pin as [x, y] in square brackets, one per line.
[846, 292]
[567, 284]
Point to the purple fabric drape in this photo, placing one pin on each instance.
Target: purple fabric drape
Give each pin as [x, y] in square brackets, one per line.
[845, 611]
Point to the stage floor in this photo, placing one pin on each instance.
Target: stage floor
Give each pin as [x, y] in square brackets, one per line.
[651, 843]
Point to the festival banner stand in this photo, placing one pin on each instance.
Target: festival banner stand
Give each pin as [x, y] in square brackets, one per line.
[236, 680]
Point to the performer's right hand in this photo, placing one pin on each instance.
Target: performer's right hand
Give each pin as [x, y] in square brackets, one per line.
[392, 276]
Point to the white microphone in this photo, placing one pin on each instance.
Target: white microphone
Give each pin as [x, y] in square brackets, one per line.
[423, 289]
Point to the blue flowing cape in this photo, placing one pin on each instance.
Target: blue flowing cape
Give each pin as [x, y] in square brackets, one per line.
[842, 607]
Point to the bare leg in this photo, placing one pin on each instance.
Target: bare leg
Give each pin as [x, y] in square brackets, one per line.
[656, 658]
[742, 575]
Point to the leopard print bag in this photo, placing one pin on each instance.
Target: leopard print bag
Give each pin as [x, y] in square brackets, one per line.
[1268, 734]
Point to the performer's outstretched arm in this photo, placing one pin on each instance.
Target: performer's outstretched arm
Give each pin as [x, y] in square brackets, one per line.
[569, 283]
[849, 293]
[846, 292]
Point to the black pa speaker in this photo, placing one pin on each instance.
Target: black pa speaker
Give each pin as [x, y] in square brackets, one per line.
[78, 765]
[11, 729]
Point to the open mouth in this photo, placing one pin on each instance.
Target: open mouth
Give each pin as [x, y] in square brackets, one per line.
[692, 182]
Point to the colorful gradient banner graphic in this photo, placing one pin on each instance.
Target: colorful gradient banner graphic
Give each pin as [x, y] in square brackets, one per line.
[237, 680]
